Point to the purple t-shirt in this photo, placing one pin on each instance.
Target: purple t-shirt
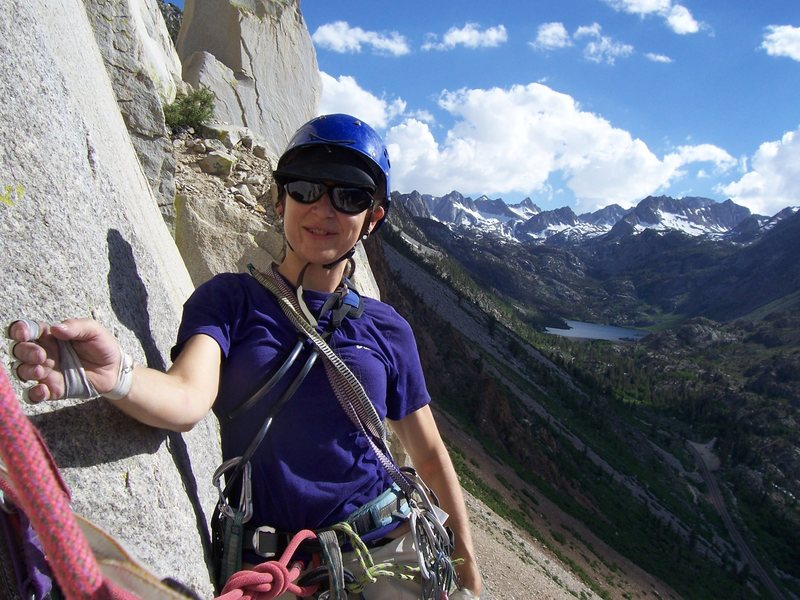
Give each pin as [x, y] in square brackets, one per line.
[314, 466]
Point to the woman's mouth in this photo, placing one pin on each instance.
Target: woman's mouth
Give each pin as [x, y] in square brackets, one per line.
[319, 232]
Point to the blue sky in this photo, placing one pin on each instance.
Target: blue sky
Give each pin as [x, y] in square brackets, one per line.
[579, 103]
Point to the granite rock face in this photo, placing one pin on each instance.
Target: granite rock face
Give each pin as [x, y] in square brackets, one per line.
[146, 74]
[258, 59]
[86, 228]
[81, 235]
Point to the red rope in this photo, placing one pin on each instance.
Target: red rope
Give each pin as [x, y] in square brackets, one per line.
[41, 497]
[272, 578]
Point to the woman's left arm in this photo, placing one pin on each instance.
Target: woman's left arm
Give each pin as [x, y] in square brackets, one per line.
[420, 437]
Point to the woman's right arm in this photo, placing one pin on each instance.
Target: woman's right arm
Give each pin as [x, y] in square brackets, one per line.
[175, 400]
[181, 397]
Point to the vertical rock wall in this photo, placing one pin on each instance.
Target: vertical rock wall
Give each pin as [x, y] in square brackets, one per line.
[258, 58]
[145, 72]
[83, 158]
[81, 235]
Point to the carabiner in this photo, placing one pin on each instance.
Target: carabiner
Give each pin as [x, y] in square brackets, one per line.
[246, 495]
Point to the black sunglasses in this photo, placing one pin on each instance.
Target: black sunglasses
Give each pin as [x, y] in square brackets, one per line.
[347, 200]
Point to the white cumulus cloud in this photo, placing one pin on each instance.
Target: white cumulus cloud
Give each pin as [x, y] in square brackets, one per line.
[773, 181]
[782, 40]
[346, 96]
[705, 153]
[658, 58]
[341, 37]
[526, 139]
[550, 36]
[681, 21]
[469, 36]
[677, 16]
[601, 48]
[514, 140]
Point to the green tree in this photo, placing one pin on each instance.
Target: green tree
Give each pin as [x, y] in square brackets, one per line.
[190, 110]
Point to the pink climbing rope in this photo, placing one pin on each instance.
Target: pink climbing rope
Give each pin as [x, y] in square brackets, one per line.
[41, 495]
[272, 578]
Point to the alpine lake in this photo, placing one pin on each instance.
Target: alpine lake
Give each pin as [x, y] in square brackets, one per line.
[594, 331]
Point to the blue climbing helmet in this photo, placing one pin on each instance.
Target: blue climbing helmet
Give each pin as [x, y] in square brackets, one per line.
[340, 148]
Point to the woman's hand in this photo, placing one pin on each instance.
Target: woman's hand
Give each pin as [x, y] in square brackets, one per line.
[76, 358]
[420, 437]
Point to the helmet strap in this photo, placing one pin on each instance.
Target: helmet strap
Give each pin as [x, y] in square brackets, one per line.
[349, 269]
[346, 256]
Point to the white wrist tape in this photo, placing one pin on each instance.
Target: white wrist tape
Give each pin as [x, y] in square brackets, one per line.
[76, 382]
[124, 379]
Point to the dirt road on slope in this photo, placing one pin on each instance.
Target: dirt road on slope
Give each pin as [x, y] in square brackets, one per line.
[706, 461]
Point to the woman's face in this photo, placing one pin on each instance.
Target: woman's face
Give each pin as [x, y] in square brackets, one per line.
[319, 234]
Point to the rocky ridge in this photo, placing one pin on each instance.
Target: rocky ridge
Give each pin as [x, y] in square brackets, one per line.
[526, 223]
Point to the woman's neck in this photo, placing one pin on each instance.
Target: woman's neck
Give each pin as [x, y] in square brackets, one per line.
[315, 277]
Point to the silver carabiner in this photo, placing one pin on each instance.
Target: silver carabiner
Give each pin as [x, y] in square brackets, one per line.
[246, 496]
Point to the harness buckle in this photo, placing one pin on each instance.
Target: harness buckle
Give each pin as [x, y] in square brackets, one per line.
[391, 505]
[266, 541]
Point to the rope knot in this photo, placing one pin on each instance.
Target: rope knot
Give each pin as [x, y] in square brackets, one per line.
[270, 579]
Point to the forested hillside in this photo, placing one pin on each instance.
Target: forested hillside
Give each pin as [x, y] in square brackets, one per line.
[602, 428]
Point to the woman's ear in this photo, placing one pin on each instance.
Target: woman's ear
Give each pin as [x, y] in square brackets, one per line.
[376, 215]
[277, 197]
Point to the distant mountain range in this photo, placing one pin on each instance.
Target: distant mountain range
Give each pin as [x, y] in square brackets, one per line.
[664, 258]
[526, 222]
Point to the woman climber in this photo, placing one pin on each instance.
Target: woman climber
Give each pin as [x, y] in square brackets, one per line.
[300, 371]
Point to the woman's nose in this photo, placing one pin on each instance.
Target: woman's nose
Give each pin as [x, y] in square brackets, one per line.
[324, 203]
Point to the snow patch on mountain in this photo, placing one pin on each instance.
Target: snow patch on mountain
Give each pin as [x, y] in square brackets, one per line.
[525, 221]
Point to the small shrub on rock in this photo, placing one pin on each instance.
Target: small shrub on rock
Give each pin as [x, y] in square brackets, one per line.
[190, 110]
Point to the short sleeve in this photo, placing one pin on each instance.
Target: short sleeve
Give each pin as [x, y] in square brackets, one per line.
[210, 310]
[406, 390]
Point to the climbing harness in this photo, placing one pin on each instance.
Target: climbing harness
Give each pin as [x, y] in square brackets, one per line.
[272, 576]
[432, 540]
[228, 521]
